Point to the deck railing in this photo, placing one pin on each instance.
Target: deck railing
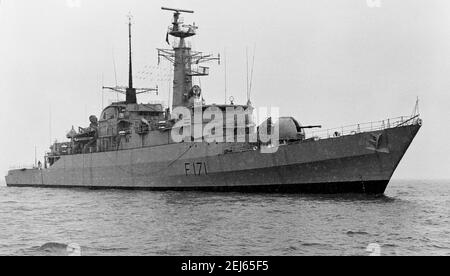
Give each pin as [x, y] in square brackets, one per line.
[363, 127]
[19, 167]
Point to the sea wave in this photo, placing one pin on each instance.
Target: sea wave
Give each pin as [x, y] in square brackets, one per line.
[56, 222]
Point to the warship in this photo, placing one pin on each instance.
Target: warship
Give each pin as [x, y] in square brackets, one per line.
[153, 147]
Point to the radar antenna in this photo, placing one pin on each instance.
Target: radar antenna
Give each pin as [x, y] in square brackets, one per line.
[186, 62]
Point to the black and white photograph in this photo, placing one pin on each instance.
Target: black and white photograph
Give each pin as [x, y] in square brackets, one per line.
[236, 130]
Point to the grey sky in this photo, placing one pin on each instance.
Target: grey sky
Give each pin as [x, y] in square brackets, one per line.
[324, 62]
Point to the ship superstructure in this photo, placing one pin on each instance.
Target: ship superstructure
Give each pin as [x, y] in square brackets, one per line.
[147, 146]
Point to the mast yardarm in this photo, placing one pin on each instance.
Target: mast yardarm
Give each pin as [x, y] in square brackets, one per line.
[183, 59]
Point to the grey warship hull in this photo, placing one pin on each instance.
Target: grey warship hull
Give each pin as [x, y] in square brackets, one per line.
[353, 163]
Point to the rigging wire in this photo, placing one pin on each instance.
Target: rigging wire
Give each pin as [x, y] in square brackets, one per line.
[225, 65]
[115, 73]
[246, 55]
[103, 92]
[251, 78]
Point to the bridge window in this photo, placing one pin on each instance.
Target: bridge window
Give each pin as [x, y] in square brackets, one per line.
[109, 113]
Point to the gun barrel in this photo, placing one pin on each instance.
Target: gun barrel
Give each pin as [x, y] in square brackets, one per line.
[308, 127]
[176, 10]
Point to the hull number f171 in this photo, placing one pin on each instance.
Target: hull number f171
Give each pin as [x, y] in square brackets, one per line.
[196, 169]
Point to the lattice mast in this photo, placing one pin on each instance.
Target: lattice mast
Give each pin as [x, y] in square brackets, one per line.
[183, 59]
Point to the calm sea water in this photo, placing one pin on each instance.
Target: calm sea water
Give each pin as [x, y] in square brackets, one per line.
[412, 219]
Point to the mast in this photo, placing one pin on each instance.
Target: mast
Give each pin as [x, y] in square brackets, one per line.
[183, 58]
[130, 91]
[182, 64]
[130, 75]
